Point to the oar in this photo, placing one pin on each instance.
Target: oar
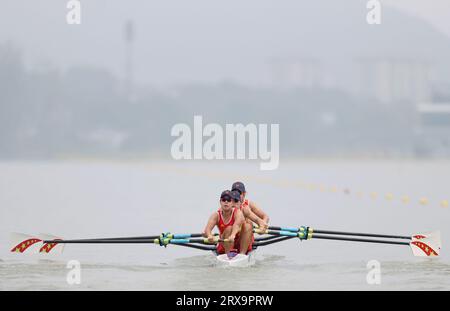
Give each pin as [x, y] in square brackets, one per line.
[302, 236]
[422, 245]
[152, 237]
[265, 238]
[293, 229]
[41, 243]
[271, 241]
[327, 237]
[202, 247]
[164, 241]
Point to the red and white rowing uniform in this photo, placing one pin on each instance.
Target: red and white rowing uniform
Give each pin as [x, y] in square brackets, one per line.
[222, 226]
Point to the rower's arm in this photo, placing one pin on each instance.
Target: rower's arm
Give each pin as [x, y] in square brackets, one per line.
[258, 212]
[239, 219]
[250, 215]
[212, 222]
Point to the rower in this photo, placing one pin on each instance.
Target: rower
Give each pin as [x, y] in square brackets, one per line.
[229, 219]
[251, 211]
[247, 236]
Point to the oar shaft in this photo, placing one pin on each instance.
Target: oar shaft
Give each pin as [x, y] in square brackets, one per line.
[95, 241]
[136, 241]
[280, 233]
[266, 238]
[271, 241]
[196, 240]
[202, 247]
[363, 234]
[331, 237]
[373, 235]
[150, 237]
[327, 237]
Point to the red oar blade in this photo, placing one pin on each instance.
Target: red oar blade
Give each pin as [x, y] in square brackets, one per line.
[24, 243]
[426, 244]
[53, 248]
[21, 243]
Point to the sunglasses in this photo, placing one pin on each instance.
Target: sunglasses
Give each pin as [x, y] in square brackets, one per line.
[229, 200]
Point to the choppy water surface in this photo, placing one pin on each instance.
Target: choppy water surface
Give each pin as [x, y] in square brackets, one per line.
[99, 199]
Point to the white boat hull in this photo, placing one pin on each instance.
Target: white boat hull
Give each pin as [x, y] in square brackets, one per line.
[240, 260]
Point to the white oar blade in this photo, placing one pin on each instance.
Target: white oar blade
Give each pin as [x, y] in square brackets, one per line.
[21, 243]
[54, 248]
[426, 244]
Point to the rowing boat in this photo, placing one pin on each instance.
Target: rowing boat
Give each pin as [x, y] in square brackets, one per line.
[422, 244]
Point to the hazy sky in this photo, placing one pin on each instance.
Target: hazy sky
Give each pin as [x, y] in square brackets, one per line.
[436, 12]
[179, 40]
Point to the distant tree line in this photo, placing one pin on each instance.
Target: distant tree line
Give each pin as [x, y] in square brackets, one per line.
[83, 111]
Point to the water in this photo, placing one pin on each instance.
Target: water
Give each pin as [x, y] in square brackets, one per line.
[82, 199]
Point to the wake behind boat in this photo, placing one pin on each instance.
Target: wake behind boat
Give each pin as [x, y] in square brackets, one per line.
[236, 260]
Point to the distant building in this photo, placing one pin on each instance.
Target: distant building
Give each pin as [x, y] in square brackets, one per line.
[129, 70]
[297, 72]
[436, 115]
[395, 80]
[433, 129]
